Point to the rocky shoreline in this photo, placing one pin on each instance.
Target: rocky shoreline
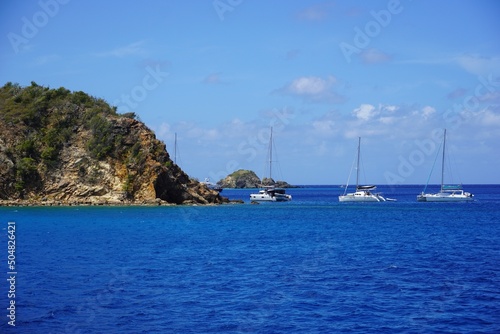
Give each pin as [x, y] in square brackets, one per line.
[33, 203]
[156, 202]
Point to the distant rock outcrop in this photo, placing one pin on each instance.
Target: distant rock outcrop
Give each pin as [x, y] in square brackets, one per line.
[279, 184]
[248, 179]
[240, 179]
[62, 147]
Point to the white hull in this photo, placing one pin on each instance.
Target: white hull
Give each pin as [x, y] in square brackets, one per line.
[361, 196]
[363, 192]
[270, 196]
[447, 193]
[257, 198]
[446, 197]
[270, 193]
[262, 198]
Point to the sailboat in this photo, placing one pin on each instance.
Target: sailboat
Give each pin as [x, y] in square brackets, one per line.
[212, 186]
[448, 193]
[269, 193]
[362, 193]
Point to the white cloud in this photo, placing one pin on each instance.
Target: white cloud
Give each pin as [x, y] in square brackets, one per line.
[309, 85]
[479, 65]
[424, 112]
[398, 122]
[313, 89]
[324, 127]
[387, 120]
[489, 118]
[390, 108]
[163, 130]
[365, 112]
[427, 111]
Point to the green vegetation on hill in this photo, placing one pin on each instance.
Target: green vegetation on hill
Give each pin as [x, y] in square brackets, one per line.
[240, 179]
[47, 118]
[243, 173]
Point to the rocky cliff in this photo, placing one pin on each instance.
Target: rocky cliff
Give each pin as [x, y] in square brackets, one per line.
[58, 146]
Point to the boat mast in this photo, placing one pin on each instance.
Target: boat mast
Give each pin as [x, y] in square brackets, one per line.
[357, 164]
[175, 149]
[270, 154]
[442, 161]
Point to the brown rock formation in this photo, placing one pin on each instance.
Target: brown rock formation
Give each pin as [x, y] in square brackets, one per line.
[58, 146]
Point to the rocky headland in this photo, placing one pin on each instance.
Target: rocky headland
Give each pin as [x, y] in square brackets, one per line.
[59, 147]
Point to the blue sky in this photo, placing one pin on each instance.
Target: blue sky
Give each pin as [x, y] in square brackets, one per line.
[221, 73]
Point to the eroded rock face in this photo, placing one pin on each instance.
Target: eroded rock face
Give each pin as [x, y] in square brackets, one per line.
[70, 148]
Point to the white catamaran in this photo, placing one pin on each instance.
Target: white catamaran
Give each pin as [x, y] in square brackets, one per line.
[363, 193]
[448, 193]
[269, 193]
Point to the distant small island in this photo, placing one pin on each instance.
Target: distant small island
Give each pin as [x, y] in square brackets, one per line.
[248, 179]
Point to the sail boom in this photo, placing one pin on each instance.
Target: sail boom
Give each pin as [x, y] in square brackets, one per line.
[370, 187]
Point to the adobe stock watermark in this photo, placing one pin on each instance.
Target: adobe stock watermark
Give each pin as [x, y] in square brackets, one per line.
[31, 26]
[250, 147]
[151, 80]
[453, 117]
[373, 28]
[223, 6]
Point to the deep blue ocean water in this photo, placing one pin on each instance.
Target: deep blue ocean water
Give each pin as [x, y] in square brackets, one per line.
[312, 265]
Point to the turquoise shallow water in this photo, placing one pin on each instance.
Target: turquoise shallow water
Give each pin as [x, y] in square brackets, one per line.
[309, 266]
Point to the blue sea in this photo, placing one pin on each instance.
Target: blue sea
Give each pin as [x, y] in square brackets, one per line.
[312, 265]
